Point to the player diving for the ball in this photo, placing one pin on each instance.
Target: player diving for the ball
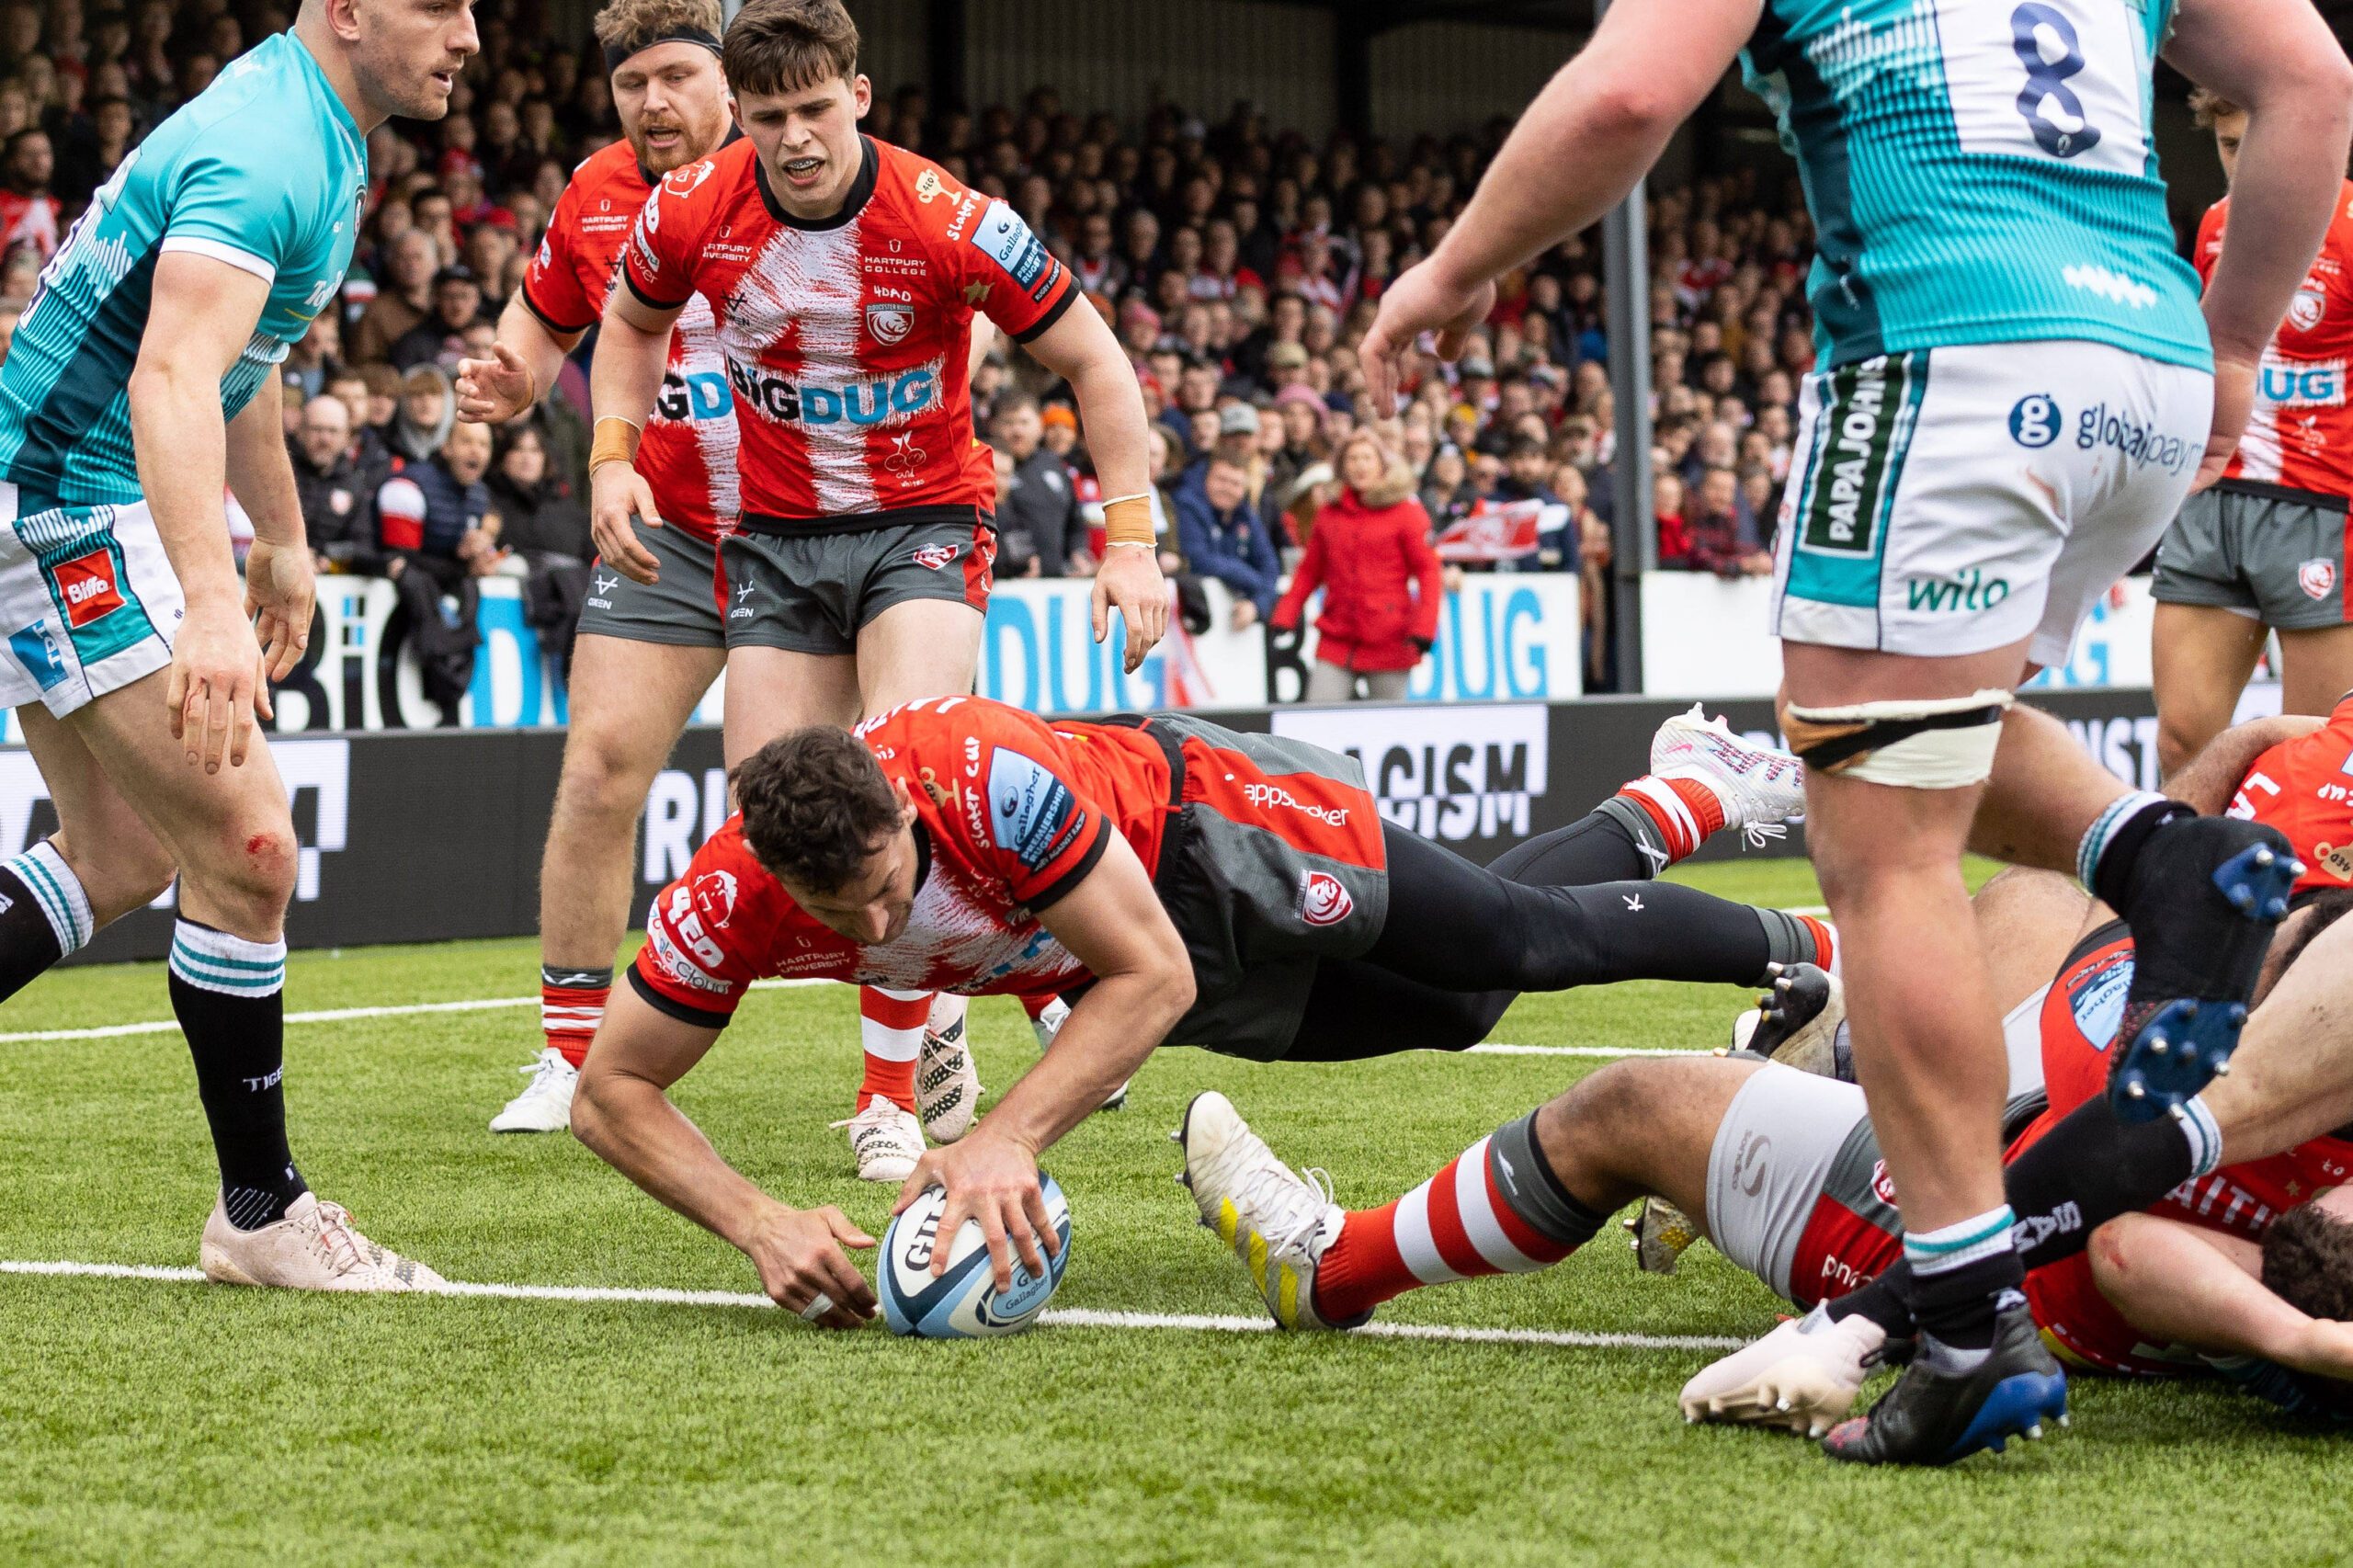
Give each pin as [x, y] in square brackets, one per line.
[649, 650]
[845, 277]
[141, 385]
[2246, 1271]
[1184, 883]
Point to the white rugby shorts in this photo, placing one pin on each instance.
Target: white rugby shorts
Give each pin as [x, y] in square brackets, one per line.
[1956, 500]
[88, 603]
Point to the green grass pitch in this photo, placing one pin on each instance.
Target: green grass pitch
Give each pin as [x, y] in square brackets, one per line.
[156, 1422]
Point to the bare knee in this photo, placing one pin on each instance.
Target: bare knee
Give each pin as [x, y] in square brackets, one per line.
[605, 778]
[1590, 1133]
[248, 876]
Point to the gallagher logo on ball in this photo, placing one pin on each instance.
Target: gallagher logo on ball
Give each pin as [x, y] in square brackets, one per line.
[1324, 900]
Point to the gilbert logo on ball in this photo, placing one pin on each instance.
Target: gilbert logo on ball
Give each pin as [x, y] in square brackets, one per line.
[963, 1301]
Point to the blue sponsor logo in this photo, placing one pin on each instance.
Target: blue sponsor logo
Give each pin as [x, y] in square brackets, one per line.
[37, 649]
[1032, 814]
[2097, 1000]
[700, 396]
[2035, 420]
[2100, 426]
[860, 402]
[2305, 386]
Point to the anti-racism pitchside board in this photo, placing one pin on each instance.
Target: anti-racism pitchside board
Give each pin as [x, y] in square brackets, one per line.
[426, 836]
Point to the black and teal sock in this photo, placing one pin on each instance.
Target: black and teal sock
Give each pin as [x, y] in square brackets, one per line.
[2110, 849]
[1963, 1275]
[230, 997]
[44, 916]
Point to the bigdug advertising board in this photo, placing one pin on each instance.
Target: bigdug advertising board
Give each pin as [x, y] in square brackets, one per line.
[432, 835]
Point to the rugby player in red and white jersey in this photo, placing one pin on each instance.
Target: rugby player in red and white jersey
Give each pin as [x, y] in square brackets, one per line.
[1184, 883]
[1782, 1170]
[2265, 549]
[844, 275]
[648, 651]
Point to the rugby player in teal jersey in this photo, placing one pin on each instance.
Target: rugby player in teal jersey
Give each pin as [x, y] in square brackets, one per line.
[2016, 387]
[142, 386]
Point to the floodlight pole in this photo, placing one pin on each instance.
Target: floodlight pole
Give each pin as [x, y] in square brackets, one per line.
[1625, 253]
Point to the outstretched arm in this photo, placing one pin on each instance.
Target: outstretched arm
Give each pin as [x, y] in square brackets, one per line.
[2183, 1286]
[1590, 134]
[1113, 923]
[2209, 779]
[622, 1111]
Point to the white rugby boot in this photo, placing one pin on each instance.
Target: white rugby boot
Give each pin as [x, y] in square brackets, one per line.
[1048, 1024]
[948, 1086]
[1278, 1223]
[545, 1104]
[885, 1140]
[1760, 786]
[1803, 1376]
[314, 1247]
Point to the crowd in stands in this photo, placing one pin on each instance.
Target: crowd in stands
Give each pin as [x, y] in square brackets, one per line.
[1239, 264]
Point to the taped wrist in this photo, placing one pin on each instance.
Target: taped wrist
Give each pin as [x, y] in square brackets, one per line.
[616, 442]
[1911, 743]
[1128, 520]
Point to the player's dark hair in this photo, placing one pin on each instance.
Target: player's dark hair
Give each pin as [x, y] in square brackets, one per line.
[816, 805]
[782, 46]
[2308, 1262]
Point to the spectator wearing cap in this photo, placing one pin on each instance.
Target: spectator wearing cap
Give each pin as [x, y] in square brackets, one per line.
[1058, 425]
[1369, 552]
[402, 300]
[440, 337]
[1038, 526]
[1222, 536]
[1298, 410]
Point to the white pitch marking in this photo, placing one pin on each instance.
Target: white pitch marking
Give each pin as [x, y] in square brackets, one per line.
[1611, 1052]
[340, 1015]
[1073, 1317]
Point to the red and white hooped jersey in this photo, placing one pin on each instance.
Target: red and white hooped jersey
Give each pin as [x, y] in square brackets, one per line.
[687, 455]
[2304, 788]
[846, 338]
[2301, 433]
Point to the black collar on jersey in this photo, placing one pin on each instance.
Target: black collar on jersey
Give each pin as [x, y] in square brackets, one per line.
[734, 134]
[861, 191]
[617, 54]
[923, 854]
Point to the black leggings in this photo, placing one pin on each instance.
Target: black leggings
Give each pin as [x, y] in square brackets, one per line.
[1570, 908]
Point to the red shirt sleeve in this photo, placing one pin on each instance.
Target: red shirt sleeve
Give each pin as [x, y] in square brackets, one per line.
[1036, 830]
[552, 289]
[658, 262]
[700, 953]
[1016, 280]
[2209, 248]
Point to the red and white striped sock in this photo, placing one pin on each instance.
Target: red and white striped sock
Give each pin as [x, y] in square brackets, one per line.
[1826, 942]
[571, 1005]
[890, 1026]
[1458, 1225]
[1685, 811]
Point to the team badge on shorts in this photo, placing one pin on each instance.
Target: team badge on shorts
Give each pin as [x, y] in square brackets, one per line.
[935, 556]
[2316, 577]
[1324, 898]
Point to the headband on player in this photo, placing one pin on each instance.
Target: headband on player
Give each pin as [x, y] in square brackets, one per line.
[616, 54]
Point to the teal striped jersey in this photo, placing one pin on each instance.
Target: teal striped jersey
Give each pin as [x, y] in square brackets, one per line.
[264, 170]
[1979, 171]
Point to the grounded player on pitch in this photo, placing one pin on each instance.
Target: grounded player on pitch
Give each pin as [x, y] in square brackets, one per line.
[1186, 883]
[143, 382]
[2246, 1272]
[1987, 213]
[844, 276]
[2264, 547]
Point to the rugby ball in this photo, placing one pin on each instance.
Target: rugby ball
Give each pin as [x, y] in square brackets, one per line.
[963, 1301]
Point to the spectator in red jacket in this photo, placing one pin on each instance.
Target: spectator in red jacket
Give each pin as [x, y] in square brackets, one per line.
[1370, 552]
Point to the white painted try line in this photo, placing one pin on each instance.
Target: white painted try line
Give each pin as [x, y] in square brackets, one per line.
[336, 1014]
[1075, 1317]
